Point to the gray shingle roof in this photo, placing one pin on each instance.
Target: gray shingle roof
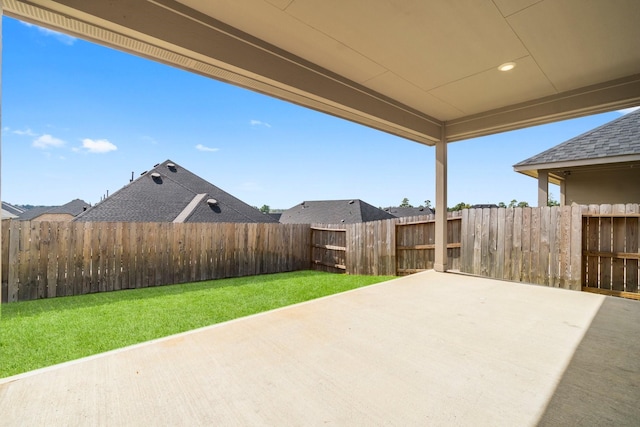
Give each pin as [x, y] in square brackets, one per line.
[73, 208]
[620, 137]
[333, 212]
[162, 198]
[408, 212]
[9, 208]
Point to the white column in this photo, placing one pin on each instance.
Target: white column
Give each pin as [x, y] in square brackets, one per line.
[440, 263]
[563, 190]
[543, 188]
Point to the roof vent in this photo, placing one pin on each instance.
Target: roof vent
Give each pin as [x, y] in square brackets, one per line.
[212, 202]
[171, 165]
[156, 165]
[142, 173]
[155, 175]
[351, 202]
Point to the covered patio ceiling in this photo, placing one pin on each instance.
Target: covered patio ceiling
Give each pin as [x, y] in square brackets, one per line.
[423, 70]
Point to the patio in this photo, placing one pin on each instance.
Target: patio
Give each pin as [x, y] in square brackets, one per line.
[430, 348]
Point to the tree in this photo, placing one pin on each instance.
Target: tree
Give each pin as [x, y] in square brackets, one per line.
[405, 203]
[460, 206]
[552, 201]
[427, 204]
[513, 203]
[523, 204]
[502, 205]
[265, 209]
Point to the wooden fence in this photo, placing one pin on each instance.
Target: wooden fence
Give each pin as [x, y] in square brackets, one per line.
[390, 247]
[415, 245]
[594, 248]
[591, 247]
[48, 259]
[533, 245]
[610, 241]
[329, 248]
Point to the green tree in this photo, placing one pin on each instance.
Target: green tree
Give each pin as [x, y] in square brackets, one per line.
[405, 203]
[427, 204]
[523, 204]
[265, 209]
[513, 203]
[552, 201]
[460, 206]
[502, 205]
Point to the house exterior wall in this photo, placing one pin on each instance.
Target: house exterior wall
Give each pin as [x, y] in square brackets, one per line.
[603, 186]
[53, 217]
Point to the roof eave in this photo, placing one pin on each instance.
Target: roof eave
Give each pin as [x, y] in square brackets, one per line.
[524, 168]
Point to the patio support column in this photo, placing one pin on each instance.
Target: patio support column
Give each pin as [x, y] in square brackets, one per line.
[1, 13]
[543, 188]
[440, 263]
[563, 189]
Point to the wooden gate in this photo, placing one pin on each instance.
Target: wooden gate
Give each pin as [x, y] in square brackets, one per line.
[610, 243]
[415, 245]
[328, 249]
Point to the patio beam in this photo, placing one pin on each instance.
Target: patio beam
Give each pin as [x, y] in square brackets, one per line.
[171, 33]
[440, 263]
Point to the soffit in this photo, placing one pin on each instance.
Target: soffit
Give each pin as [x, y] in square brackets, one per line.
[406, 67]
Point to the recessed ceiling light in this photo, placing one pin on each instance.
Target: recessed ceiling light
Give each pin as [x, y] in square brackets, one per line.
[507, 66]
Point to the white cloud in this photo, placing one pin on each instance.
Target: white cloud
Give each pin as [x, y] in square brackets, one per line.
[628, 110]
[62, 38]
[26, 132]
[98, 146]
[47, 141]
[259, 123]
[201, 147]
[148, 139]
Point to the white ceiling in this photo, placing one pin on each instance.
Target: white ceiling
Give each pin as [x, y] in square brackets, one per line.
[419, 69]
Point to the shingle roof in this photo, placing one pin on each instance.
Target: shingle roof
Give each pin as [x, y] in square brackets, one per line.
[9, 208]
[333, 212]
[620, 137]
[7, 215]
[166, 191]
[73, 208]
[407, 212]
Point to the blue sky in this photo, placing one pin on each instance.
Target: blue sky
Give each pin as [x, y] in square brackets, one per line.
[79, 118]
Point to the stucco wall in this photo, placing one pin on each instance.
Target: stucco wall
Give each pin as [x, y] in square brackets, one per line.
[54, 217]
[603, 186]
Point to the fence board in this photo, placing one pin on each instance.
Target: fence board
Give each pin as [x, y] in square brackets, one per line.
[535, 274]
[631, 273]
[605, 246]
[554, 252]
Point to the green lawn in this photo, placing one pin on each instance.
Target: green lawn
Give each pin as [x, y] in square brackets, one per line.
[34, 334]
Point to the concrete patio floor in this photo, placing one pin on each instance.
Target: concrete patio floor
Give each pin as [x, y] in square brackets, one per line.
[428, 349]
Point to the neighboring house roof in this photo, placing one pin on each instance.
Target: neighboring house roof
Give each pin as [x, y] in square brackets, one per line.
[10, 209]
[171, 193]
[614, 142]
[73, 208]
[35, 212]
[333, 212]
[401, 212]
[7, 215]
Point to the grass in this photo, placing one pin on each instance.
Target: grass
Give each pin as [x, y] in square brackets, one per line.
[35, 334]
